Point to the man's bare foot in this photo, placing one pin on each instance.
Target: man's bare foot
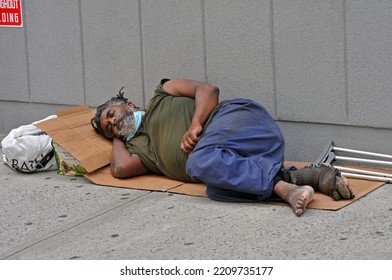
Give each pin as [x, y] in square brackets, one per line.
[297, 196]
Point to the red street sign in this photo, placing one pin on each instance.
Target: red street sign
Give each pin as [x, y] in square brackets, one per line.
[11, 13]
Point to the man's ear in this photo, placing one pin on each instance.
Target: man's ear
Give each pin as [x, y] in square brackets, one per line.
[132, 105]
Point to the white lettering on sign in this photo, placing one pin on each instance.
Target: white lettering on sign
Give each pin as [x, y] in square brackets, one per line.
[11, 13]
[10, 18]
[9, 4]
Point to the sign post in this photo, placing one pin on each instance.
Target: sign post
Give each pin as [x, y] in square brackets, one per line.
[11, 13]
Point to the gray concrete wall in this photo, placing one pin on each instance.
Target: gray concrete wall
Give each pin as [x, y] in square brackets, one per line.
[322, 68]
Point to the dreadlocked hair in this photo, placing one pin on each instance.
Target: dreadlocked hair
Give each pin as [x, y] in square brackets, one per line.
[95, 121]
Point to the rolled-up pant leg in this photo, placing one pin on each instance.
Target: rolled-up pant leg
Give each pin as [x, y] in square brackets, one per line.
[239, 154]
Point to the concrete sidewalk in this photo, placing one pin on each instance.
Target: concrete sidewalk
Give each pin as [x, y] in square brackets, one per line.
[49, 216]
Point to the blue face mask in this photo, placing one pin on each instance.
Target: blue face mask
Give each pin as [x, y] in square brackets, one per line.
[138, 121]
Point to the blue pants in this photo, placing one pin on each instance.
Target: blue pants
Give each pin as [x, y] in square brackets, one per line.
[239, 153]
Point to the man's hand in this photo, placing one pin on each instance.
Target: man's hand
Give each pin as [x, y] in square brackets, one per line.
[206, 99]
[191, 137]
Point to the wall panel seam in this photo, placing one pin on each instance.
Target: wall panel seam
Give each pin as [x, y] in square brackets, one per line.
[26, 52]
[142, 74]
[204, 34]
[83, 61]
[273, 64]
[345, 62]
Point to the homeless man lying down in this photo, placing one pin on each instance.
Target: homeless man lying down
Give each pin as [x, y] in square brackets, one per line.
[234, 146]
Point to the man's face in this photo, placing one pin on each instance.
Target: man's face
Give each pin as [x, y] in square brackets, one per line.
[117, 120]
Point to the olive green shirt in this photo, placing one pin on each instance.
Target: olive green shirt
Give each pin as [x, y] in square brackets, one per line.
[158, 140]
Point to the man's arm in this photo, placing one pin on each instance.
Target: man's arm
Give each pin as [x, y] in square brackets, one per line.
[206, 99]
[123, 164]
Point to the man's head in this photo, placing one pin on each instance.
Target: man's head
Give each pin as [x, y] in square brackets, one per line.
[115, 117]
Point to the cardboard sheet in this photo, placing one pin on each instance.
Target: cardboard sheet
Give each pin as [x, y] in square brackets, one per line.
[161, 183]
[72, 130]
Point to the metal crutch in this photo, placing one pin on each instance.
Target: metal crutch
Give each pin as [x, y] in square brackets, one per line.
[328, 156]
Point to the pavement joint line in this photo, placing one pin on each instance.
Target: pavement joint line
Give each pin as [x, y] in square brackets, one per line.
[73, 225]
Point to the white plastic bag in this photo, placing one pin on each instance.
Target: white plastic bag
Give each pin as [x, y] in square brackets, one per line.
[29, 149]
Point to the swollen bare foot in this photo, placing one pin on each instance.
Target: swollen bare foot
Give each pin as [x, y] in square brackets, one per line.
[297, 196]
[324, 178]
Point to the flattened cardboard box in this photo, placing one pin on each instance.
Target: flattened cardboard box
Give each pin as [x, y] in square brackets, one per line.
[72, 130]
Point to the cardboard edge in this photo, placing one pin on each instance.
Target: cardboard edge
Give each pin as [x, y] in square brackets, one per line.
[149, 182]
[72, 110]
